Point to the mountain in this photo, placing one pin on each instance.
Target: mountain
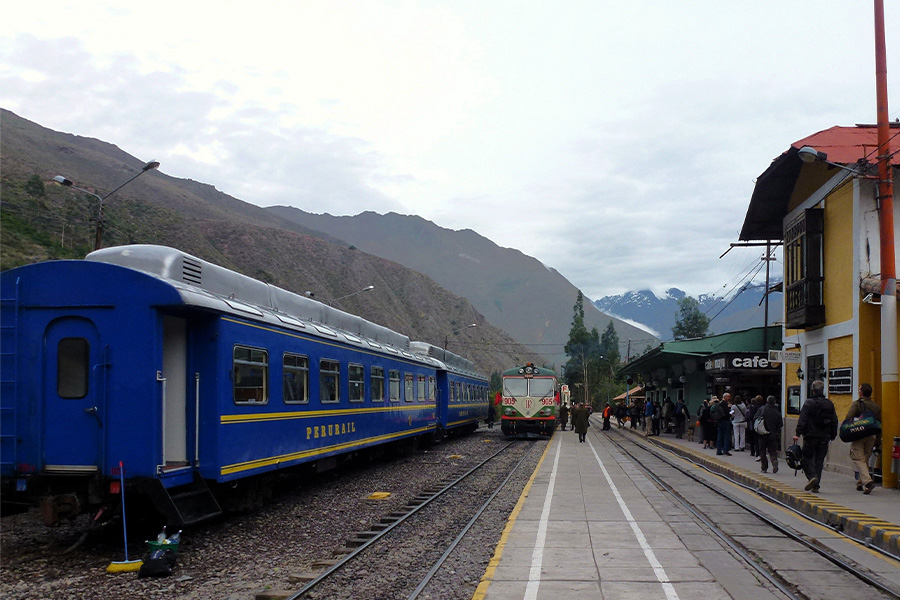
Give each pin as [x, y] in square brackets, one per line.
[530, 301]
[40, 220]
[735, 312]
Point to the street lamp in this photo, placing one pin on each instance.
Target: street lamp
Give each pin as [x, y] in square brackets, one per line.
[454, 332]
[68, 183]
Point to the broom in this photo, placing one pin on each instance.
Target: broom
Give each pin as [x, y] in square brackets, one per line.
[128, 566]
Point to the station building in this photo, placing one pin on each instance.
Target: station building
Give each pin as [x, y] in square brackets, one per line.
[695, 369]
[818, 202]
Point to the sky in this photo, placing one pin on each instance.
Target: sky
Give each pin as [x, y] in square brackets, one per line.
[616, 142]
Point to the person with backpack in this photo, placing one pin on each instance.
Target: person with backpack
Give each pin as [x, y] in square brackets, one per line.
[769, 442]
[681, 416]
[721, 412]
[818, 424]
[861, 450]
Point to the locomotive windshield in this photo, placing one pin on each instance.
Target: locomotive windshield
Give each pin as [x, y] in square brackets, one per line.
[541, 388]
[517, 386]
[535, 388]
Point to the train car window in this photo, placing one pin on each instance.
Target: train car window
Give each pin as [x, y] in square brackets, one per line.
[420, 391]
[72, 368]
[394, 386]
[431, 389]
[409, 386]
[295, 379]
[377, 376]
[329, 381]
[251, 375]
[357, 375]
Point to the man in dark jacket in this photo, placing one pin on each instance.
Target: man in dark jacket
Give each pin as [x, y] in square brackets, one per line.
[768, 443]
[564, 415]
[818, 424]
[581, 421]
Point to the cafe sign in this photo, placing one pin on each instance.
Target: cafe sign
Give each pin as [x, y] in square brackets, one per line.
[745, 361]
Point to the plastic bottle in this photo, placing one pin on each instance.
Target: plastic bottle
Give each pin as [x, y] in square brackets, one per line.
[161, 538]
[174, 538]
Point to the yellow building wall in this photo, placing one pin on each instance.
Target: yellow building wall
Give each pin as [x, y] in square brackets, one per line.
[841, 287]
[840, 356]
[870, 347]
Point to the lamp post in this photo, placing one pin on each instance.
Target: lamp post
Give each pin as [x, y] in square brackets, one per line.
[68, 183]
[454, 332]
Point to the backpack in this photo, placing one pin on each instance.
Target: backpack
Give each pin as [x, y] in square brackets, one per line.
[759, 424]
[823, 419]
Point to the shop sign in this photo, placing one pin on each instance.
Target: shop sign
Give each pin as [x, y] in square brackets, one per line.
[738, 362]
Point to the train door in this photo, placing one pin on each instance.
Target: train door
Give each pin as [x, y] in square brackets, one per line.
[174, 390]
[74, 407]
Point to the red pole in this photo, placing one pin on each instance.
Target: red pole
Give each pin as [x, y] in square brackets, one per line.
[889, 365]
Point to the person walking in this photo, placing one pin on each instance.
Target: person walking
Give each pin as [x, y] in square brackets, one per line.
[818, 424]
[739, 423]
[681, 416]
[721, 413]
[648, 417]
[581, 422]
[861, 450]
[707, 423]
[607, 415]
[657, 416]
[564, 415]
[768, 444]
[756, 404]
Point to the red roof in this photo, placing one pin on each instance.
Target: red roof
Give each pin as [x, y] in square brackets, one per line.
[846, 145]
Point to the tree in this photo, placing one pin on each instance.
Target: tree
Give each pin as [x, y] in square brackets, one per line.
[690, 322]
[582, 370]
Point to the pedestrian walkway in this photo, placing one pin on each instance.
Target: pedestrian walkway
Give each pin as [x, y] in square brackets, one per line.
[560, 542]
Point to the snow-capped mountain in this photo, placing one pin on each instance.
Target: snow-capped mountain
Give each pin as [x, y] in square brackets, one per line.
[741, 310]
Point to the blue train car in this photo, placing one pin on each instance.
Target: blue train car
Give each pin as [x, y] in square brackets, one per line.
[466, 391]
[200, 381]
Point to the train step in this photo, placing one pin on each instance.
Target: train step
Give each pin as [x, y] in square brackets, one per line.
[187, 504]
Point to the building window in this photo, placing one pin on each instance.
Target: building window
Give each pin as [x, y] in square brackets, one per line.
[329, 381]
[357, 376]
[251, 375]
[394, 383]
[377, 376]
[804, 270]
[295, 379]
[72, 368]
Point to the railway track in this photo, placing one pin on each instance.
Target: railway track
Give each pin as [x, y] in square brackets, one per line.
[414, 552]
[749, 532]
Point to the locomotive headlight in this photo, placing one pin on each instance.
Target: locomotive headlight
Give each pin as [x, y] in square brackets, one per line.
[546, 411]
[508, 412]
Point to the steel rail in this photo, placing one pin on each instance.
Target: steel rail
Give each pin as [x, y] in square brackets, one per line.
[358, 550]
[774, 500]
[784, 529]
[439, 563]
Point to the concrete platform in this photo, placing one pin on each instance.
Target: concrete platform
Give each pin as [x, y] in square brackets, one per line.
[563, 541]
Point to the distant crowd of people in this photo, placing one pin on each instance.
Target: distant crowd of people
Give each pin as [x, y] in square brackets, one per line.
[754, 426]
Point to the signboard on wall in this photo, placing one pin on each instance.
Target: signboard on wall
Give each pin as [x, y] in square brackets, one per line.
[840, 381]
[784, 356]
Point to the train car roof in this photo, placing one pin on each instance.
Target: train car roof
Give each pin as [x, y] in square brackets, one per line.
[539, 371]
[452, 362]
[204, 284]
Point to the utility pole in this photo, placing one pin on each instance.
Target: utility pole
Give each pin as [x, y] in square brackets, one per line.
[885, 201]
